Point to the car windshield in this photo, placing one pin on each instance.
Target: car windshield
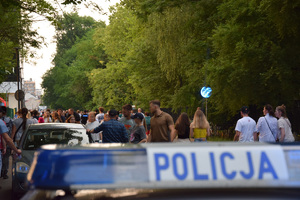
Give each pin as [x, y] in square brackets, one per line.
[38, 137]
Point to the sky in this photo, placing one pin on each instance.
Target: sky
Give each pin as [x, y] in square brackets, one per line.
[37, 66]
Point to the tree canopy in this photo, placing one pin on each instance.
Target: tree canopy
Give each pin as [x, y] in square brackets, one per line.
[246, 51]
[16, 30]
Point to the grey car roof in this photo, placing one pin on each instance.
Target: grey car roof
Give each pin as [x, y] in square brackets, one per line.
[56, 126]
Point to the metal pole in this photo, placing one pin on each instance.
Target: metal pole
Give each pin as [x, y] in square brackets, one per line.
[6, 99]
[18, 75]
[206, 109]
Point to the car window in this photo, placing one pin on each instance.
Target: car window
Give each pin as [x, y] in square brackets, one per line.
[38, 137]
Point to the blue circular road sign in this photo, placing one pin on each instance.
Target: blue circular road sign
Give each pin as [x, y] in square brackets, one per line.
[206, 92]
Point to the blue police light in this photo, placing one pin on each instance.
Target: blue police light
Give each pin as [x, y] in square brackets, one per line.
[205, 92]
[57, 167]
[162, 165]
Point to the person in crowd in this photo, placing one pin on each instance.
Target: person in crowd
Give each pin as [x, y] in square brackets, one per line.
[147, 121]
[47, 118]
[161, 125]
[61, 115]
[245, 128]
[2, 153]
[138, 133]
[267, 126]
[55, 117]
[106, 118]
[120, 114]
[49, 111]
[30, 118]
[18, 114]
[141, 111]
[67, 115]
[19, 126]
[75, 114]
[126, 119]
[6, 139]
[5, 156]
[41, 120]
[71, 119]
[112, 130]
[79, 112]
[182, 127]
[92, 123]
[284, 125]
[100, 116]
[199, 128]
[35, 114]
[84, 117]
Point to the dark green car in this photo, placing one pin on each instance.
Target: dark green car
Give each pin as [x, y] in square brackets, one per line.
[37, 135]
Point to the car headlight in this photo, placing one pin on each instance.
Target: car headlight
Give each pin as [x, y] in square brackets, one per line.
[22, 167]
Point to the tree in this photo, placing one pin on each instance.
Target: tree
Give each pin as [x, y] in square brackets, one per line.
[76, 56]
[111, 86]
[16, 30]
[255, 58]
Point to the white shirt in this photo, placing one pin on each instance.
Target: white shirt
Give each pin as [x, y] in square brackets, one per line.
[47, 120]
[267, 133]
[247, 127]
[100, 117]
[91, 126]
[286, 125]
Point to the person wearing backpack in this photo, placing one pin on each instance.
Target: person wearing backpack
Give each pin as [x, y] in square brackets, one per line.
[19, 125]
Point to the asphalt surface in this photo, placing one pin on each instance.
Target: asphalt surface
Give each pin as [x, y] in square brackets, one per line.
[5, 184]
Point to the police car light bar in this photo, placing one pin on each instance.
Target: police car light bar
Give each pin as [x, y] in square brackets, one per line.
[212, 165]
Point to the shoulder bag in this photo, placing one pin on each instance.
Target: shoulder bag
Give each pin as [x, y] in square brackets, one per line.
[270, 128]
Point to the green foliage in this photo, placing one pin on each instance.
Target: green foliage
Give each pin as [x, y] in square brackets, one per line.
[16, 30]
[247, 51]
[66, 84]
[111, 86]
[255, 58]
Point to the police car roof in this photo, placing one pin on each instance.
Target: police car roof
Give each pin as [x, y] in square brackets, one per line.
[56, 126]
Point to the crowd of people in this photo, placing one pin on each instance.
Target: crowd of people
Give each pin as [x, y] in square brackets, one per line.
[267, 129]
[125, 126]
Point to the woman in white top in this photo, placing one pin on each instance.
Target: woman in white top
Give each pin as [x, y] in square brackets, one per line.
[284, 125]
[267, 125]
[47, 118]
[91, 124]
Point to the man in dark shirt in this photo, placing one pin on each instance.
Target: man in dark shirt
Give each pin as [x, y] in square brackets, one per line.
[76, 115]
[112, 130]
[60, 113]
[84, 117]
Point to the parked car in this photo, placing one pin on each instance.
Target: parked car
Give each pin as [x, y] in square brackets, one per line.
[33, 138]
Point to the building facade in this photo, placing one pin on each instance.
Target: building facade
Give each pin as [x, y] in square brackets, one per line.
[29, 87]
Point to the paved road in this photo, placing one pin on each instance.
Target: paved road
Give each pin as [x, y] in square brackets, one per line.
[5, 185]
